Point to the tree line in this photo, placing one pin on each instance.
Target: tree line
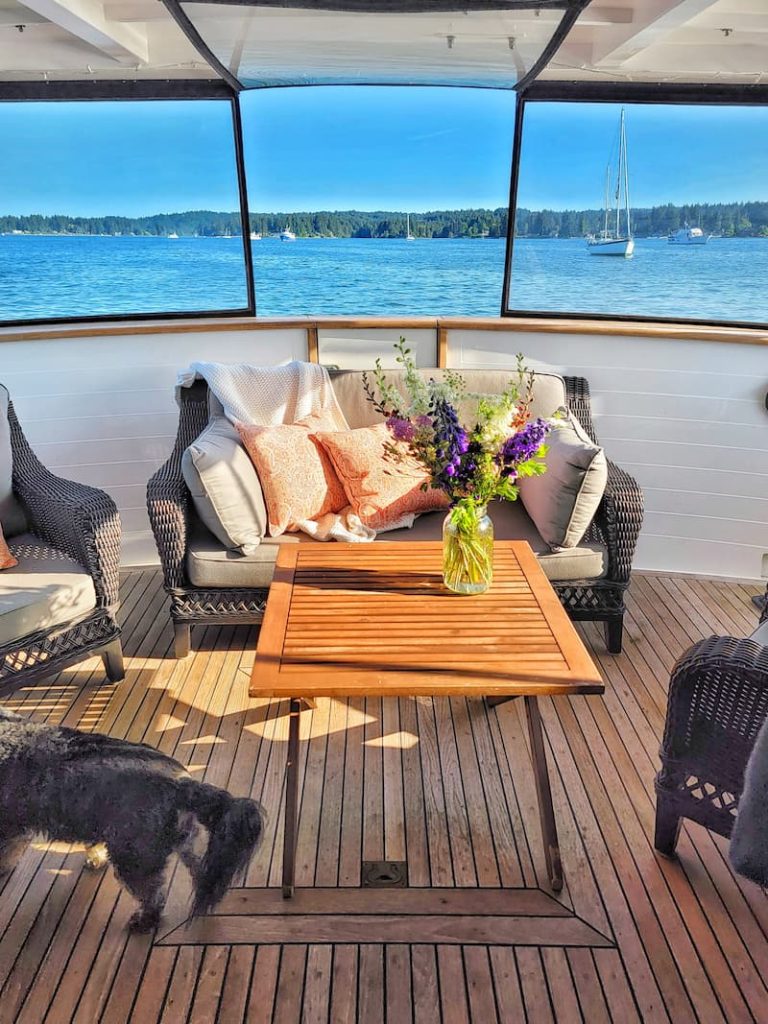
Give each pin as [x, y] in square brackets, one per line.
[748, 219]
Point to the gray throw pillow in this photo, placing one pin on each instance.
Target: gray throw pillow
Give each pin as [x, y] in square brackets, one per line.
[225, 487]
[563, 501]
[12, 518]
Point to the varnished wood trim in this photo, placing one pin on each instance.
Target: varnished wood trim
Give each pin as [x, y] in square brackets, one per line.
[443, 325]
[313, 345]
[442, 345]
[624, 328]
[154, 327]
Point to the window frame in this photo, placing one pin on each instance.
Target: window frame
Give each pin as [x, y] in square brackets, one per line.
[680, 94]
[182, 90]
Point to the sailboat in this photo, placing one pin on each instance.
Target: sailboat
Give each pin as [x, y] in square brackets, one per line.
[408, 236]
[612, 241]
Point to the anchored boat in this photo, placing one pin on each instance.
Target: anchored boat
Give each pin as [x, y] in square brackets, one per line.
[612, 241]
[688, 236]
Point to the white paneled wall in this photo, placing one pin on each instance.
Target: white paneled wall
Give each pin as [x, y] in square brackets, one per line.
[351, 349]
[101, 409]
[686, 418]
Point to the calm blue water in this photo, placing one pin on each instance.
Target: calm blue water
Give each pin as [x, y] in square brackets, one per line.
[44, 276]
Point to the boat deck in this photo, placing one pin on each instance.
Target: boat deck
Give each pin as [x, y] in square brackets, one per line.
[444, 785]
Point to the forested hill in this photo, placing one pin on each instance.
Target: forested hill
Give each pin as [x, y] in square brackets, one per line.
[729, 219]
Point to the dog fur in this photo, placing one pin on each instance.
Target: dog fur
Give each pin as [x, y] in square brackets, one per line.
[141, 805]
[749, 840]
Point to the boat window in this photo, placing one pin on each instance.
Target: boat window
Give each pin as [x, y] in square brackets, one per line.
[642, 210]
[119, 208]
[374, 201]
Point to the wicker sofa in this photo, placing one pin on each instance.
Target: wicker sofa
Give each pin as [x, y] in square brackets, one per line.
[207, 584]
[718, 700]
[59, 604]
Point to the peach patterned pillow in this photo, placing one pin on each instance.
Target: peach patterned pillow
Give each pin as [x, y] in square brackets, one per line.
[7, 561]
[296, 475]
[382, 492]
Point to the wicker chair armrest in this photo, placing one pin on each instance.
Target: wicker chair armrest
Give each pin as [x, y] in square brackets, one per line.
[718, 700]
[619, 519]
[620, 514]
[168, 508]
[79, 520]
[168, 499]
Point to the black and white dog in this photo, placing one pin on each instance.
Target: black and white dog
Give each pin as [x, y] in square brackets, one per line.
[125, 801]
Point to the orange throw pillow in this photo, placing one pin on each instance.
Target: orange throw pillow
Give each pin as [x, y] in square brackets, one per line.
[382, 492]
[296, 475]
[7, 561]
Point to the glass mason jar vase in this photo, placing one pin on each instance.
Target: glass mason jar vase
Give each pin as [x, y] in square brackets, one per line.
[467, 549]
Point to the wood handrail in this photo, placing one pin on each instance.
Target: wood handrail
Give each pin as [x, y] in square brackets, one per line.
[522, 324]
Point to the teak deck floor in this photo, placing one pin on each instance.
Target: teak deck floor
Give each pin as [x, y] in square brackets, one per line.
[445, 785]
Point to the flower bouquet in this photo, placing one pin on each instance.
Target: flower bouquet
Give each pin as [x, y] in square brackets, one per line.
[473, 447]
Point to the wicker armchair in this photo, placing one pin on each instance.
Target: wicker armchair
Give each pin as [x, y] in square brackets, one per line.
[616, 525]
[70, 521]
[718, 700]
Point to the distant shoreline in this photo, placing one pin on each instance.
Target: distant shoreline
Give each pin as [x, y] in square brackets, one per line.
[743, 219]
[350, 238]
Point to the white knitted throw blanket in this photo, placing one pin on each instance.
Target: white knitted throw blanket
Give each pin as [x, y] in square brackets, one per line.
[270, 395]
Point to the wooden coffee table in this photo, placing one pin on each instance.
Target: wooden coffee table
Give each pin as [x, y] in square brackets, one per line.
[359, 620]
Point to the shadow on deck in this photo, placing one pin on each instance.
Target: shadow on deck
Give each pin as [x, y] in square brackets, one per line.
[443, 785]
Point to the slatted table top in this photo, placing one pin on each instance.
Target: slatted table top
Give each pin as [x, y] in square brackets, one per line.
[345, 620]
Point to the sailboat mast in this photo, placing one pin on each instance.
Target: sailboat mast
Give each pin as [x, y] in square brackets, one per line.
[626, 173]
[618, 173]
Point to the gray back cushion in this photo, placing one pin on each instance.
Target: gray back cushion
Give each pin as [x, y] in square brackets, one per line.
[563, 501]
[548, 391]
[225, 487]
[12, 516]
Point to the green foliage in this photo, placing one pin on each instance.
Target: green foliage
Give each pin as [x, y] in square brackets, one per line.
[729, 219]
[465, 456]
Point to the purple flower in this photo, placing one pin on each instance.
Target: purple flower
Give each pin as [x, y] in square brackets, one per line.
[401, 429]
[451, 442]
[523, 445]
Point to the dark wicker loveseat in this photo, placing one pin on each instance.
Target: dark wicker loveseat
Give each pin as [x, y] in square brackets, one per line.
[718, 700]
[173, 518]
[67, 542]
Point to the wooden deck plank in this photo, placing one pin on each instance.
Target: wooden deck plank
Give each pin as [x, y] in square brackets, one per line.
[443, 784]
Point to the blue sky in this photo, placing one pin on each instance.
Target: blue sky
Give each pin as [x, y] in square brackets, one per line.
[397, 148]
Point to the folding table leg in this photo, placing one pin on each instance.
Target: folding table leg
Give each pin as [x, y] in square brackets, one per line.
[544, 795]
[291, 800]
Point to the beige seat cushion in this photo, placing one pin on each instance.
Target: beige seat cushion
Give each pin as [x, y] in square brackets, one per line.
[45, 590]
[548, 391]
[209, 564]
[563, 501]
[225, 487]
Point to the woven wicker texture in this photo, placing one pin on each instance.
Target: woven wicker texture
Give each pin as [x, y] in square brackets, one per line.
[82, 522]
[718, 700]
[617, 525]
